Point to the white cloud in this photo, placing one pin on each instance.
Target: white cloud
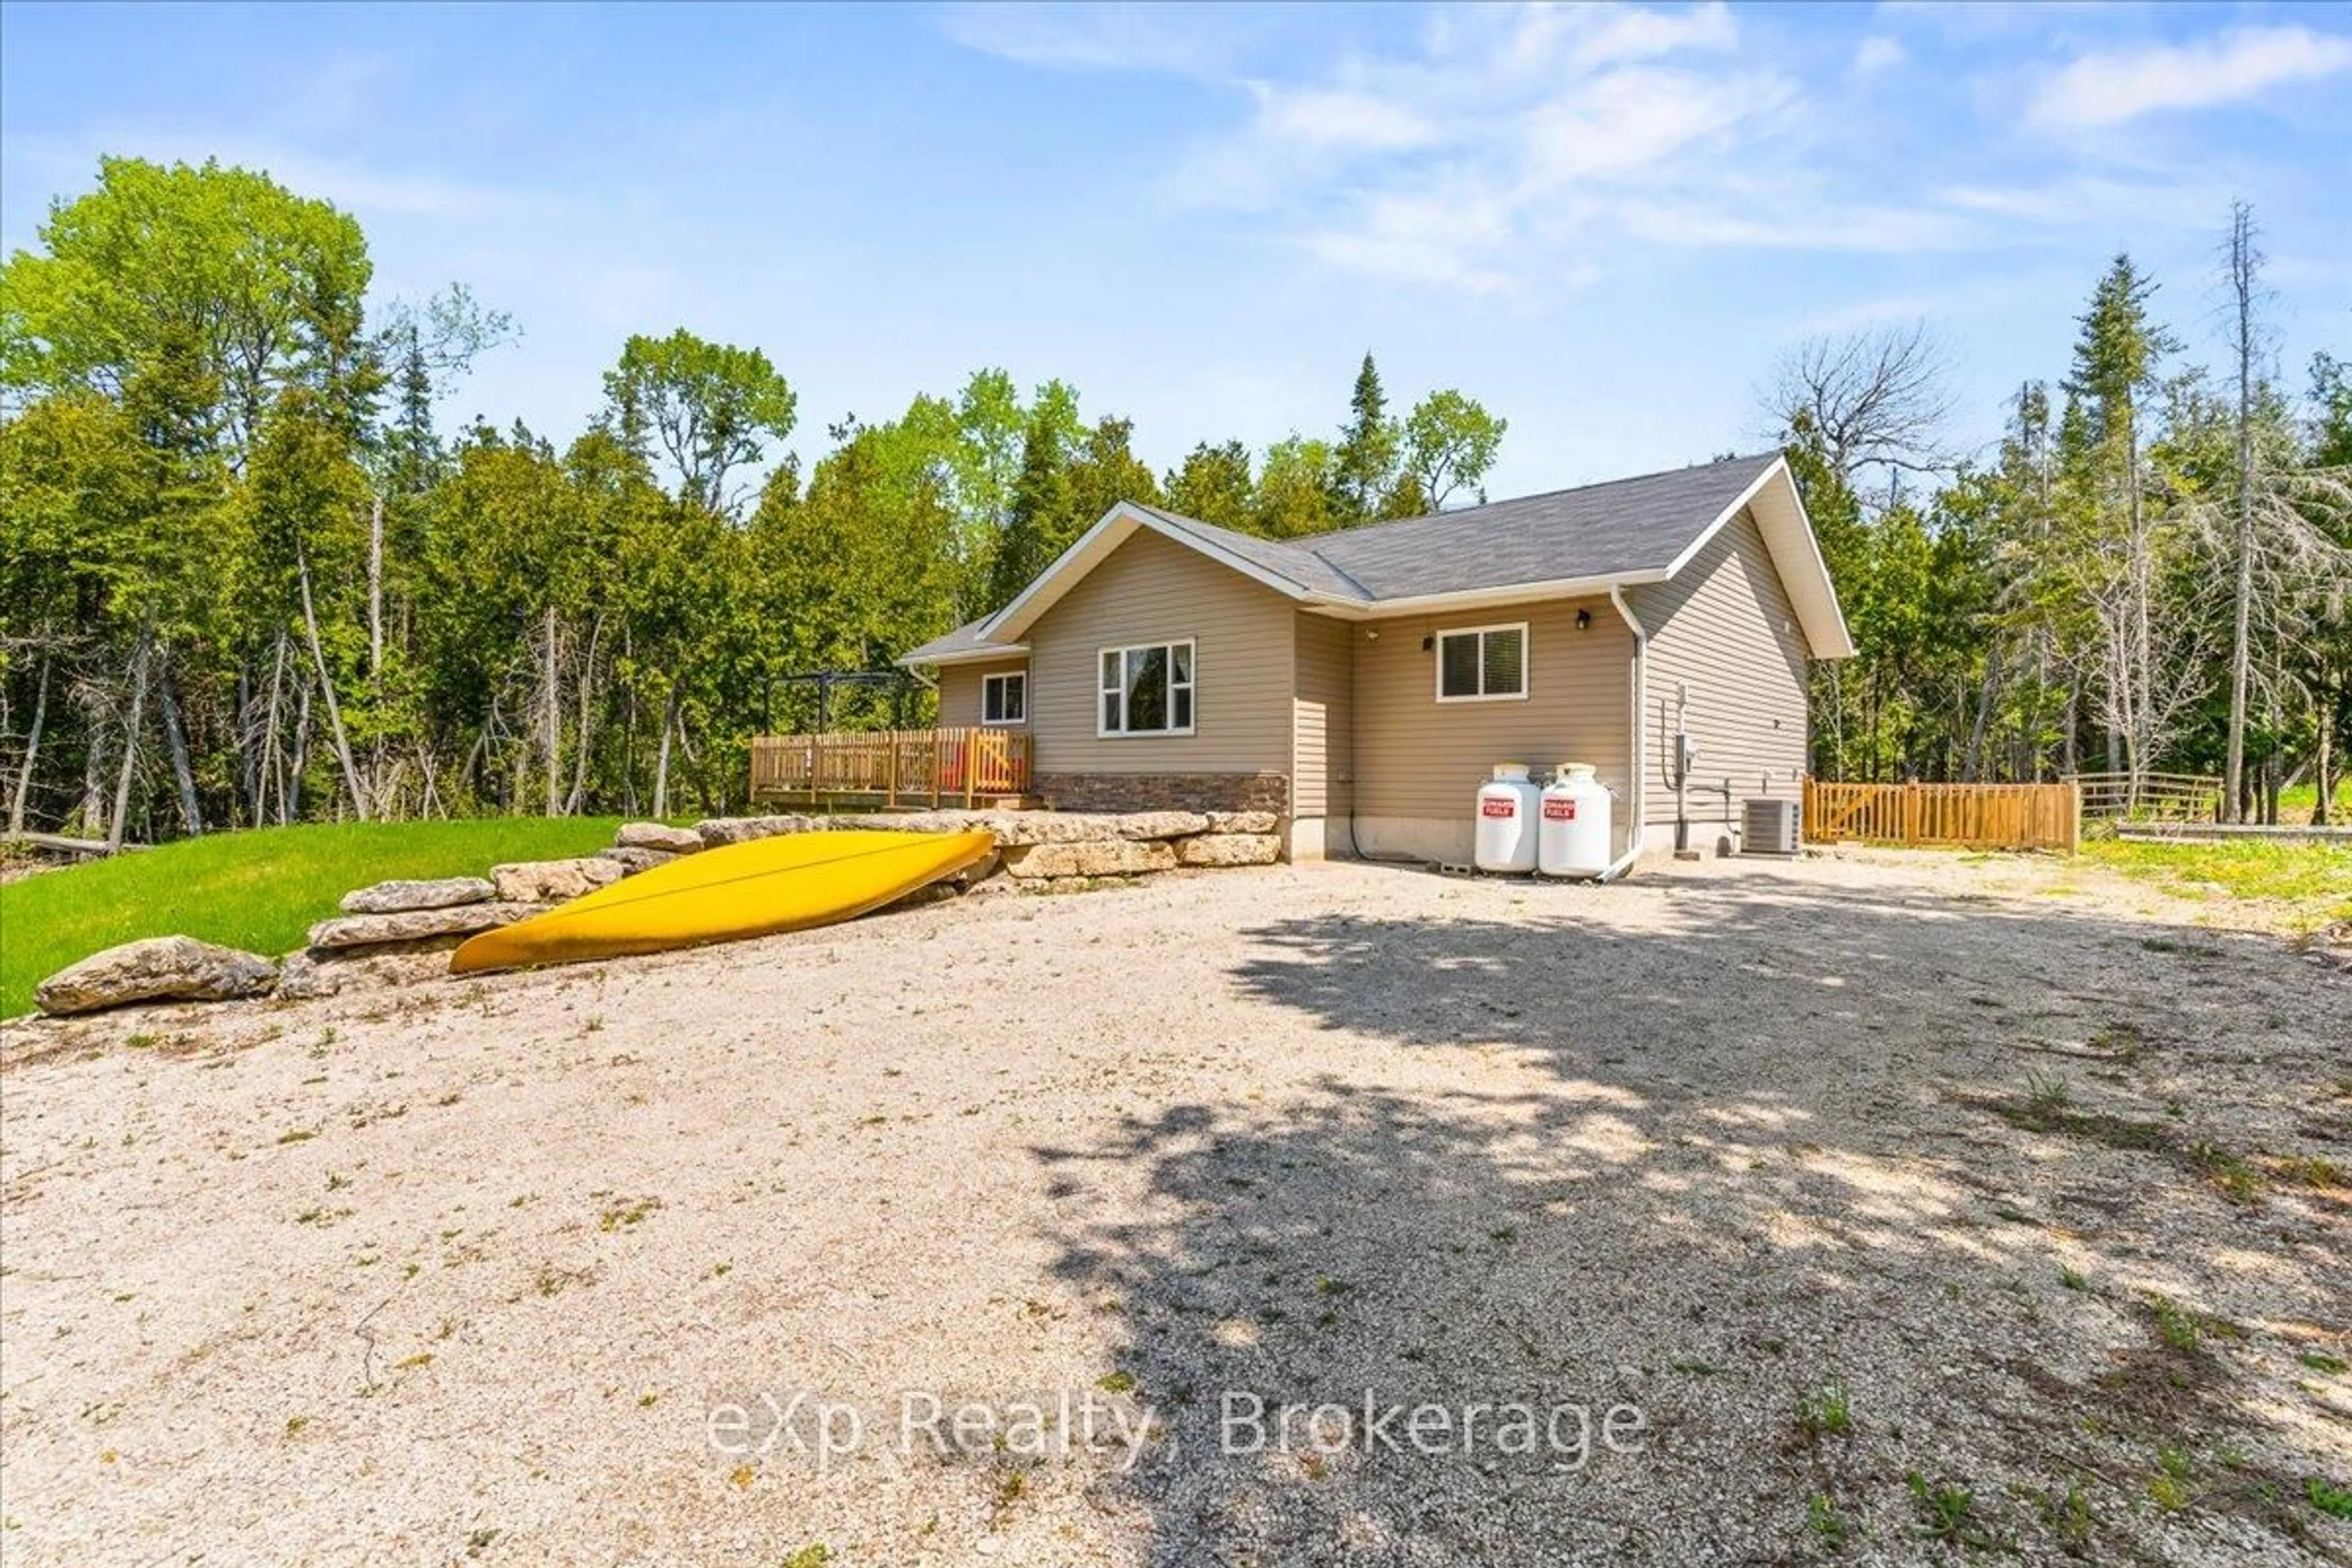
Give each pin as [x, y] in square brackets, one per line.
[1802, 225]
[1878, 53]
[1499, 146]
[1632, 32]
[2093, 199]
[2112, 88]
[1443, 164]
[1340, 119]
[1193, 40]
[1632, 122]
[1982, 20]
[1435, 236]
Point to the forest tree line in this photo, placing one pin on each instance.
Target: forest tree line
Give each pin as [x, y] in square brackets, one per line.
[247, 579]
[2150, 573]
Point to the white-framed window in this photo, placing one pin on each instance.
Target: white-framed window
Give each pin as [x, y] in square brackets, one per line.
[1004, 698]
[1146, 689]
[1483, 664]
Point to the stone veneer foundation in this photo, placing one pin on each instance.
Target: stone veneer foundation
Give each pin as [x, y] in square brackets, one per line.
[1163, 792]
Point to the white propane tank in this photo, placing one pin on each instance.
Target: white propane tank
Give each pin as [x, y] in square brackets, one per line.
[1572, 837]
[1507, 820]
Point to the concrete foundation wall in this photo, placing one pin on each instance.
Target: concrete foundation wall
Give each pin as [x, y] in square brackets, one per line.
[1454, 841]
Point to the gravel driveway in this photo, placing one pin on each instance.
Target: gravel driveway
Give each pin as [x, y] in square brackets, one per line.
[1881, 1208]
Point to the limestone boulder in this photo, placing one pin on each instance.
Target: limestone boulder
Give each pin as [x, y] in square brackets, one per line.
[393, 898]
[1161, 824]
[422, 926]
[1240, 822]
[553, 881]
[939, 892]
[658, 836]
[1099, 857]
[715, 831]
[978, 871]
[306, 975]
[633, 860]
[157, 969]
[942, 821]
[1014, 828]
[1229, 849]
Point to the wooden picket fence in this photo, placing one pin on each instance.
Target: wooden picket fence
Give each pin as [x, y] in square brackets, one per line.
[1973, 816]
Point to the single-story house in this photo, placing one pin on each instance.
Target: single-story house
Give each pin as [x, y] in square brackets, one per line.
[1363, 683]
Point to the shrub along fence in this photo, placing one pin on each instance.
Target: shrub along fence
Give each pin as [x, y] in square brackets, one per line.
[1976, 816]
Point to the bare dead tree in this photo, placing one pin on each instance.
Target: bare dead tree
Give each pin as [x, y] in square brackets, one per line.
[2271, 534]
[352, 781]
[23, 791]
[120, 819]
[2244, 271]
[2150, 666]
[1880, 399]
[175, 740]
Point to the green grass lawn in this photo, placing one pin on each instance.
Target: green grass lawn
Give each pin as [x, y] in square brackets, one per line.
[2303, 886]
[260, 890]
[2294, 805]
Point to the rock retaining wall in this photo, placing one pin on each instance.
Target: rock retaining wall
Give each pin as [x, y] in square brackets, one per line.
[382, 929]
[1057, 846]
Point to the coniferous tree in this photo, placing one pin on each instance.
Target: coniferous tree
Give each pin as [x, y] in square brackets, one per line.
[1214, 485]
[1041, 500]
[1364, 463]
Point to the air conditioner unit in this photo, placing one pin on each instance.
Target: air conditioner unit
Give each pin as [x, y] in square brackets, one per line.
[1772, 828]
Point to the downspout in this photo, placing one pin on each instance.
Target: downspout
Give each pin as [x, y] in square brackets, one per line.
[1640, 814]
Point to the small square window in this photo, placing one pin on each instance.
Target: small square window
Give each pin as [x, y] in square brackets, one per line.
[1004, 699]
[1481, 664]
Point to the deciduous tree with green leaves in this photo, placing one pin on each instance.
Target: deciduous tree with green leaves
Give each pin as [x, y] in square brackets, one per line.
[709, 410]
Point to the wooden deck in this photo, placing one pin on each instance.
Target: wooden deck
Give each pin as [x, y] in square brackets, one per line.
[893, 768]
[1975, 816]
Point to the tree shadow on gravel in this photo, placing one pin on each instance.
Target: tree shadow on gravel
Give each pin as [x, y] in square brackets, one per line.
[1750, 1175]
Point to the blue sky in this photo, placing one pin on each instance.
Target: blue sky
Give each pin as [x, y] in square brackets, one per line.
[1605, 223]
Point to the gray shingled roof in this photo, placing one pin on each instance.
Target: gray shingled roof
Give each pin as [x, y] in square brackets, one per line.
[1292, 560]
[1622, 527]
[1612, 529]
[965, 639]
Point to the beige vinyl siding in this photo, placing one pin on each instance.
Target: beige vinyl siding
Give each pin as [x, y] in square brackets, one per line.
[1725, 626]
[960, 688]
[1419, 758]
[1149, 590]
[1319, 716]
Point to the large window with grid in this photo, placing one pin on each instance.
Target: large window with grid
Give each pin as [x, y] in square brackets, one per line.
[1147, 690]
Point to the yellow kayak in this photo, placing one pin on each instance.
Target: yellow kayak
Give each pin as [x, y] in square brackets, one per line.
[790, 882]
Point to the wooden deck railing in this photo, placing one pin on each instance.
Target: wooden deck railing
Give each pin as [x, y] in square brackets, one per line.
[1976, 816]
[962, 766]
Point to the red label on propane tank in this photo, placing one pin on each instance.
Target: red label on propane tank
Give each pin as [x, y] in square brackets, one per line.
[1499, 808]
[1560, 811]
